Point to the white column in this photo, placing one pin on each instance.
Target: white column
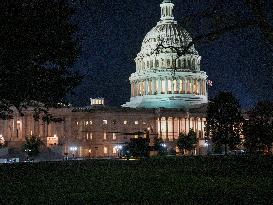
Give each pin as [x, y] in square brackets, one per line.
[146, 87]
[172, 85]
[185, 82]
[178, 85]
[166, 86]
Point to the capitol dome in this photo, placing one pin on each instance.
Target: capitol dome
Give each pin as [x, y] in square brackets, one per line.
[167, 73]
[169, 35]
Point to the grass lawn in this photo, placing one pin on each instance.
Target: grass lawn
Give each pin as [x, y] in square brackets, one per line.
[187, 180]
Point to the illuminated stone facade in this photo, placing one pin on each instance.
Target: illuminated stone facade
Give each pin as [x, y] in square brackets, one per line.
[164, 77]
[97, 132]
[169, 96]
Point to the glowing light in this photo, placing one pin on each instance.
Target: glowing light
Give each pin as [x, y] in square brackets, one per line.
[73, 149]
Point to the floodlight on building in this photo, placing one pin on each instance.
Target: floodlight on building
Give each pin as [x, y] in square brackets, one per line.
[118, 147]
[73, 149]
[164, 145]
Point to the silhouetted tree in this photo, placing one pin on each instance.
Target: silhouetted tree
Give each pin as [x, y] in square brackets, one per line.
[187, 141]
[37, 50]
[224, 121]
[258, 129]
[137, 147]
[32, 145]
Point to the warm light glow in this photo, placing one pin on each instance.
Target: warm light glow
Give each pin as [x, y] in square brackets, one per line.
[136, 122]
[104, 122]
[104, 136]
[169, 86]
[114, 136]
[105, 150]
[125, 122]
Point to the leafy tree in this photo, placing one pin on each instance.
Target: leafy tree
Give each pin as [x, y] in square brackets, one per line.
[137, 147]
[258, 129]
[160, 146]
[187, 141]
[32, 145]
[224, 121]
[37, 50]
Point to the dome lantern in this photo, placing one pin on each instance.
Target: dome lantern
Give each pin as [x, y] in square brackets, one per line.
[167, 10]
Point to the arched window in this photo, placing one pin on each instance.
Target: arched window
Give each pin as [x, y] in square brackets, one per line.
[156, 63]
[179, 63]
[173, 63]
[148, 64]
[193, 63]
[151, 64]
[168, 62]
[189, 64]
[185, 64]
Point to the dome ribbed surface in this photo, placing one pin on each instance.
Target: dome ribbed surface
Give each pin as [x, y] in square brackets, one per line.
[170, 35]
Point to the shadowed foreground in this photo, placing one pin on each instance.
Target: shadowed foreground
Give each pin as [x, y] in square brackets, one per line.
[193, 180]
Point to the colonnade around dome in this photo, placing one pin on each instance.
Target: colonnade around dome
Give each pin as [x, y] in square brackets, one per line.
[168, 86]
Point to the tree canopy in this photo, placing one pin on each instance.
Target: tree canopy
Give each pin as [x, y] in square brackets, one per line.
[37, 50]
[187, 141]
[32, 145]
[224, 120]
[258, 129]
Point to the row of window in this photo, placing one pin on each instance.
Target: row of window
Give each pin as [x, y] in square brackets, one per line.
[89, 136]
[105, 122]
[168, 63]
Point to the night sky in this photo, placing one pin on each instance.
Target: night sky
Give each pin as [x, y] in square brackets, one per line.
[111, 33]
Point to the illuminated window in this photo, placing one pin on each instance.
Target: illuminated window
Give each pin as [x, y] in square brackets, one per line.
[105, 150]
[114, 136]
[104, 122]
[114, 150]
[87, 136]
[136, 122]
[91, 135]
[104, 136]
[125, 122]
[90, 122]
[77, 123]
[87, 122]
[136, 136]
[144, 123]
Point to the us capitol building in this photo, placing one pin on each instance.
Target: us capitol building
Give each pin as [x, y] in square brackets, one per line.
[168, 96]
